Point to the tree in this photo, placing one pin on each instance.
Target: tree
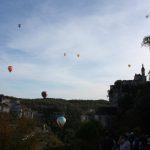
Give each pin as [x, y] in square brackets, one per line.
[89, 135]
[146, 41]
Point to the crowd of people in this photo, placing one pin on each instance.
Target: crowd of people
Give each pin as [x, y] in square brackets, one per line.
[127, 141]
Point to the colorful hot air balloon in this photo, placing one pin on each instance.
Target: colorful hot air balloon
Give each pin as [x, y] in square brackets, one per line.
[44, 94]
[10, 68]
[61, 121]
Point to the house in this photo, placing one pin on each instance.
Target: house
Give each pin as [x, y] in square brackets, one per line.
[104, 115]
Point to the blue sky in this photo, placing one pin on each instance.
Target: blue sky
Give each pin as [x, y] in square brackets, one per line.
[106, 34]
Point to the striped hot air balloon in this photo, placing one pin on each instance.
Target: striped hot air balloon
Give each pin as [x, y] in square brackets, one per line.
[61, 121]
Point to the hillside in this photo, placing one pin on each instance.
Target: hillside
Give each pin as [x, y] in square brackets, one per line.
[87, 120]
[37, 121]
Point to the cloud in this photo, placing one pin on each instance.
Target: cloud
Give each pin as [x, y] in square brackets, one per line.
[107, 36]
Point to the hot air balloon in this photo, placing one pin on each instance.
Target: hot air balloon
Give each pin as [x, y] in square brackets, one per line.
[147, 16]
[78, 55]
[61, 121]
[129, 65]
[19, 25]
[44, 94]
[65, 54]
[10, 68]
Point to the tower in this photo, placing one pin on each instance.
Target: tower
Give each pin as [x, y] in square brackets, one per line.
[143, 71]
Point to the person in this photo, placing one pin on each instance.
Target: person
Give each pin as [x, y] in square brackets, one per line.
[124, 143]
[148, 142]
[108, 143]
[136, 143]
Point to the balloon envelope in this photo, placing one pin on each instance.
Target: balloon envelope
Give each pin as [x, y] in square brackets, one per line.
[19, 25]
[10, 68]
[146, 16]
[61, 121]
[44, 94]
[129, 65]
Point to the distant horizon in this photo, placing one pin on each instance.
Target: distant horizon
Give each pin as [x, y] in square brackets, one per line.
[50, 98]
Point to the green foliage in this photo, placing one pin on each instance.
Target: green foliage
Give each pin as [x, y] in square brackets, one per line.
[19, 131]
[90, 131]
[88, 136]
[25, 134]
[135, 109]
[118, 83]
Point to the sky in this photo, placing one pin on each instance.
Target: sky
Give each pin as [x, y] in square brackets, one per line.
[106, 34]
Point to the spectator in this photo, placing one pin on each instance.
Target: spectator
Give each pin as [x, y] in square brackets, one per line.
[124, 143]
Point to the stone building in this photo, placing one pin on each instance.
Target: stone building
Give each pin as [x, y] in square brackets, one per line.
[117, 91]
[104, 115]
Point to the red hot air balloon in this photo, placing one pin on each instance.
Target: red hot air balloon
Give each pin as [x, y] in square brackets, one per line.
[10, 68]
[44, 94]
